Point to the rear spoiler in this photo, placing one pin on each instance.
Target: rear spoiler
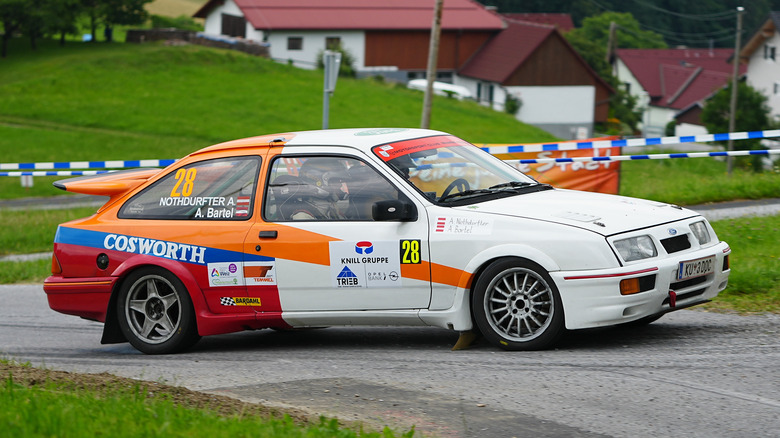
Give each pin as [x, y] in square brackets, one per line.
[113, 184]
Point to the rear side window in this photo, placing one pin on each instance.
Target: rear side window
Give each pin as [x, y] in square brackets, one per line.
[212, 190]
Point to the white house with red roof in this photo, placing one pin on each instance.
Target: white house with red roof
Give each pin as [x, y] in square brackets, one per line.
[762, 57]
[379, 34]
[535, 64]
[668, 81]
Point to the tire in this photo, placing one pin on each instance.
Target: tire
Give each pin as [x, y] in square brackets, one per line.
[517, 306]
[155, 312]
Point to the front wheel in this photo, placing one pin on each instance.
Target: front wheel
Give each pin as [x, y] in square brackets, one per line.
[155, 312]
[516, 306]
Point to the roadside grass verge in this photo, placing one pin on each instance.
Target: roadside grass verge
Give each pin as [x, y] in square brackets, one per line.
[50, 403]
[691, 181]
[754, 282]
[31, 231]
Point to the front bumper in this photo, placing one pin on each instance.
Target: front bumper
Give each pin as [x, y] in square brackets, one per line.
[593, 298]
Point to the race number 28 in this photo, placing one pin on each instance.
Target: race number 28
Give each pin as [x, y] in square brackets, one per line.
[188, 178]
[410, 252]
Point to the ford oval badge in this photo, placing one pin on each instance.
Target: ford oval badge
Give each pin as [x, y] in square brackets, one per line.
[672, 231]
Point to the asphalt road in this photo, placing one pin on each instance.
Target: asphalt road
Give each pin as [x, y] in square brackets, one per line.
[691, 374]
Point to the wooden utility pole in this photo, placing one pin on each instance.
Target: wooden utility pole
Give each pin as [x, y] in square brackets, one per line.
[611, 42]
[433, 54]
[734, 80]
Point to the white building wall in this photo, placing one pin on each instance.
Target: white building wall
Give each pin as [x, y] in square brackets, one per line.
[313, 41]
[655, 119]
[764, 74]
[684, 129]
[562, 104]
[213, 23]
[313, 44]
[564, 111]
[625, 76]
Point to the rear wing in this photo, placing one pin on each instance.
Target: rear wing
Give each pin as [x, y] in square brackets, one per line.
[113, 184]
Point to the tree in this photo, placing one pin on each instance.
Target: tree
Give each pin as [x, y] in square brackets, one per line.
[752, 114]
[591, 39]
[113, 12]
[12, 17]
[123, 12]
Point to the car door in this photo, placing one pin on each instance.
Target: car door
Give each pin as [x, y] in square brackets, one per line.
[321, 246]
[198, 215]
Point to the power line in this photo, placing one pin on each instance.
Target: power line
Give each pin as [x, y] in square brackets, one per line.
[702, 17]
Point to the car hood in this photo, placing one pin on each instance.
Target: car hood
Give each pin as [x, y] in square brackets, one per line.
[603, 214]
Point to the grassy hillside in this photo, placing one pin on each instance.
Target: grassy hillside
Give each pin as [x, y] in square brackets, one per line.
[125, 101]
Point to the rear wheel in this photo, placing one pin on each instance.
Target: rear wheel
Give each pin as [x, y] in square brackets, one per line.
[516, 306]
[155, 312]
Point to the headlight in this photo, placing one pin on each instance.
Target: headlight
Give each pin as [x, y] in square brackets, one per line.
[636, 248]
[700, 231]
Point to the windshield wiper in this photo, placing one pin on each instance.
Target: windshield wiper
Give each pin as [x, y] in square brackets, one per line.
[466, 193]
[511, 184]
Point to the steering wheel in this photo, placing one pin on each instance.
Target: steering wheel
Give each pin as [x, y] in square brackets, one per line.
[461, 184]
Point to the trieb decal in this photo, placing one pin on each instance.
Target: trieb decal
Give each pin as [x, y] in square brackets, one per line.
[462, 225]
[239, 301]
[365, 264]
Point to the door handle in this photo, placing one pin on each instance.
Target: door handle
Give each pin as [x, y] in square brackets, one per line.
[268, 234]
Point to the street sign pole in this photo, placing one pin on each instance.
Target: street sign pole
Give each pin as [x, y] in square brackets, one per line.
[332, 62]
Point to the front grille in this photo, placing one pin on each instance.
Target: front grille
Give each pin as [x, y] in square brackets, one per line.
[687, 283]
[676, 243]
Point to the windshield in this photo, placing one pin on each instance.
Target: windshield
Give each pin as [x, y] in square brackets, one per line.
[451, 171]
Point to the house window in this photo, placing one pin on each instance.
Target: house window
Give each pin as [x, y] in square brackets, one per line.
[233, 26]
[332, 43]
[769, 52]
[294, 43]
[776, 89]
[627, 87]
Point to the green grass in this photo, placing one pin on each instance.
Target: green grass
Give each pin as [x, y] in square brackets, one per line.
[25, 272]
[754, 283]
[126, 101]
[691, 181]
[30, 231]
[60, 411]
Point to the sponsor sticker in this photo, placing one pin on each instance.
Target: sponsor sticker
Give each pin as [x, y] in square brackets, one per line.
[260, 273]
[462, 225]
[225, 274]
[240, 301]
[365, 264]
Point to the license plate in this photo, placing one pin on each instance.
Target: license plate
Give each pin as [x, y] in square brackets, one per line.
[696, 268]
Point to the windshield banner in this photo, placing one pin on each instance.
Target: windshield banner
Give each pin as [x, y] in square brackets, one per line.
[591, 176]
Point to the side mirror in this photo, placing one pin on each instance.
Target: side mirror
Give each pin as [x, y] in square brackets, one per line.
[394, 210]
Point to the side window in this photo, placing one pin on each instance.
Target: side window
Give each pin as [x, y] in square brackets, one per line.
[294, 43]
[221, 189]
[323, 188]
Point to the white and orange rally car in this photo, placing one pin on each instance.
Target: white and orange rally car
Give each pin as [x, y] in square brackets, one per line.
[369, 227]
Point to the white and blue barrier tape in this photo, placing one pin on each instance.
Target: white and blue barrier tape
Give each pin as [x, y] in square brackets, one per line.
[59, 168]
[646, 157]
[632, 142]
[118, 164]
[55, 173]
